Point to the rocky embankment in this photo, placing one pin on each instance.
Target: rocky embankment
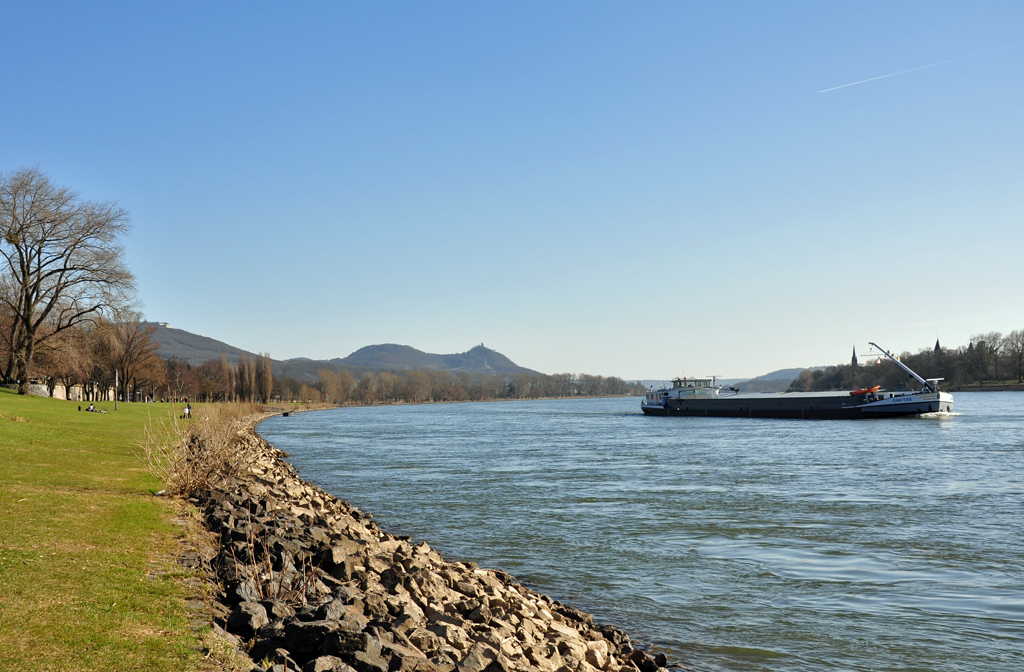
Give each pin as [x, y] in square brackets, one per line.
[313, 584]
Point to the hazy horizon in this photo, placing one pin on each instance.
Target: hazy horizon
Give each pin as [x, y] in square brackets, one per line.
[632, 190]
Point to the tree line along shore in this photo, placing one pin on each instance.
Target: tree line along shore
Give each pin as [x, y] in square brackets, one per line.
[988, 361]
[115, 356]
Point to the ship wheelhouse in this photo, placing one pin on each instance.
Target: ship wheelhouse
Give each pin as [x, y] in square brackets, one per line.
[693, 383]
[682, 388]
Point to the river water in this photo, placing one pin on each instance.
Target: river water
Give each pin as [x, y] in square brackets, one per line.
[732, 544]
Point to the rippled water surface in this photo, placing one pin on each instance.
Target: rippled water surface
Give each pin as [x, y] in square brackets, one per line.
[734, 544]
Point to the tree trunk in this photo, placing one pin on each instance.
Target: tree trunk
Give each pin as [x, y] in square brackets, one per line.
[21, 369]
[23, 359]
[8, 374]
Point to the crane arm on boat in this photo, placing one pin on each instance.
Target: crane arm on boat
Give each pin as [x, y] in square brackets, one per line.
[929, 385]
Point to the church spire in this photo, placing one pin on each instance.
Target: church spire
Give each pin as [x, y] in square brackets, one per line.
[853, 362]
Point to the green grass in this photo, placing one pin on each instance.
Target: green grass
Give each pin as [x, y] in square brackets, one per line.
[80, 530]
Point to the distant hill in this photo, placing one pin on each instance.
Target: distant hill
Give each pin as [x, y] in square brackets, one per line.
[776, 381]
[197, 350]
[193, 348]
[391, 356]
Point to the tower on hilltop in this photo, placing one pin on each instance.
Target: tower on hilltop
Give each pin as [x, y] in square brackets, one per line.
[853, 361]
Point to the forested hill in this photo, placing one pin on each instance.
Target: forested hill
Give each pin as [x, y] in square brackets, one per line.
[391, 356]
[776, 381]
[193, 348]
[196, 350]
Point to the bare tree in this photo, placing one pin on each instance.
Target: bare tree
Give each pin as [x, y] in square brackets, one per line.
[307, 393]
[65, 359]
[332, 386]
[242, 389]
[132, 349]
[177, 377]
[989, 348]
[264, 377]
[64, 261]
[9, 327]
[250, 384]
[100, 376]
[151, 377]
[229, 377]
[419, 385]
[1013, 344]
[387, 385]
[369, 386]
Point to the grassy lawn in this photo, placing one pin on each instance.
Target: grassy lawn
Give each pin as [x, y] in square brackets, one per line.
[79, 533]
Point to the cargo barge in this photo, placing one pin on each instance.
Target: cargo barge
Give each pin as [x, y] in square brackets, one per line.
[701, 397]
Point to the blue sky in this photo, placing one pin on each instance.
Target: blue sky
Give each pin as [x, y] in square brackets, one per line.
[632, 189]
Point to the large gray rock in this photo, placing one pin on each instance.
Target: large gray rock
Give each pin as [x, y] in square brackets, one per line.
[407, 659]
[272, 630]
[332, 611]
[326, 664]
[368, 662]
[453, 634]
[376, 607]
[481, 614]
[277, 609]
[345, 644]
[389, 578]
[304, 638]
[244, 591]
[597, 656]
[642, 661]
[247, 618]
[425, 640]
[477, 658]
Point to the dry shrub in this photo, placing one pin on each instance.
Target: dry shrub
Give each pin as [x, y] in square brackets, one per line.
[274, 578]
[190, 454]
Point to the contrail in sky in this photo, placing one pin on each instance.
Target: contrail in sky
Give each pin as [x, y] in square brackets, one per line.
[920, 67]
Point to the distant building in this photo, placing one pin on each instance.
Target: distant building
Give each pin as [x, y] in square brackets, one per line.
[853, 362]
[938, 348]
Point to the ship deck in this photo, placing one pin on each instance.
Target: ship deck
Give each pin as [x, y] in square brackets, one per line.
[803, 405]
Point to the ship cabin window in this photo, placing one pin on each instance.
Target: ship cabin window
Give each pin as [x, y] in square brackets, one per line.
[691, 384]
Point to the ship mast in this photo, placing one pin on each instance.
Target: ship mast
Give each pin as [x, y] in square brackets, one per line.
[928, 385]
